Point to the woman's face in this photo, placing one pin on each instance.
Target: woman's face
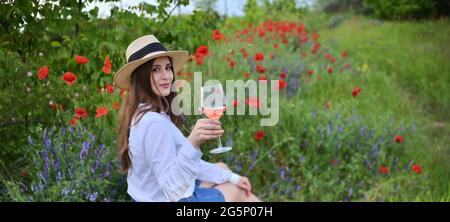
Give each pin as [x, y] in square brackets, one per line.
[162, 76]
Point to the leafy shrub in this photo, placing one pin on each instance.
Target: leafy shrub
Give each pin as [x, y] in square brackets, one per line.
[402, 9]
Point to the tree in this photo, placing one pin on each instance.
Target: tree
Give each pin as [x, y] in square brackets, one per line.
[206, 5]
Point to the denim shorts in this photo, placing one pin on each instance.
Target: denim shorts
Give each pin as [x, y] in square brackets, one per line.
[204, 195]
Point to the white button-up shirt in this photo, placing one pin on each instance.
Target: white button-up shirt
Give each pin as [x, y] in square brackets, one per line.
[164, 164]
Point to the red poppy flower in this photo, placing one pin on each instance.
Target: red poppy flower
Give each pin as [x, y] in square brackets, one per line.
[346, 66]
[80, 113]
[24, 173]
[333, 162]
[344, 54]
[398, 139]
[310, 71]
[261, 33]
[259, 135]
[281, 84]
[217, 35]
[73, 121]
[43, 72]
[315, 48]
[259, 56]
[107, 66]
[232, 64]
[300, 28]
[198, 60]
[81, 60]
[260, 68]
[417, 168]
[69, 78]
[275, 45]
[304, 54]
[315, 36]
[235, 103]
[246, 75]
[244, 52]
[283, 75]
[330, 57]
[252, 102]
[330, 70]
[109, 88]
[101, 111]
[383, 170]
[116, 105]
[356, 91]
[304, 37]
[263, 78]
[203, 50]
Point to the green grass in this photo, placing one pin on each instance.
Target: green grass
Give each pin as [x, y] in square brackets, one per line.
[408, 77]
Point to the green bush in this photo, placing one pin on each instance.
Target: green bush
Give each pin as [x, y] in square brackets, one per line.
[402, 9]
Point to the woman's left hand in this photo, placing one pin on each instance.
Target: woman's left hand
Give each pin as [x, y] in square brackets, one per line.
[244, 184]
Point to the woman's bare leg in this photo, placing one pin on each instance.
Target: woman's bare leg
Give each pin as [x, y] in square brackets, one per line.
[232, 193]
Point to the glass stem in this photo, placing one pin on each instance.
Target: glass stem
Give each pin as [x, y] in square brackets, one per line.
[220, 142]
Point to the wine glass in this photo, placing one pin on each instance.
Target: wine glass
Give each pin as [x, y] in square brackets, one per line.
[213, 106]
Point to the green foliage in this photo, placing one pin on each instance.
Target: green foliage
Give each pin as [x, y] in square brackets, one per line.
[206, 5]
[333, 6]
[403, 9]
[276, 10]
[199, 25]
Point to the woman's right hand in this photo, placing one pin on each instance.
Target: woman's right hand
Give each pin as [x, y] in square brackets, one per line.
[245, 184]
[205, 129]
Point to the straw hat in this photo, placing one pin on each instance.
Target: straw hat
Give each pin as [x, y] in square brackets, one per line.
[142, 50]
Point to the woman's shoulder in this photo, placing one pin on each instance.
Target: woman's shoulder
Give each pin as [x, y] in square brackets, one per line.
[149, 116]
[154, 117]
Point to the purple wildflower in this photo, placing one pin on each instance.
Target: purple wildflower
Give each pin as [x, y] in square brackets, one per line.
[99, 150]
[65, 191]
[85, 150]
[93, 197]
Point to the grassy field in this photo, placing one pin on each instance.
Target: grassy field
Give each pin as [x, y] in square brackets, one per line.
[407, 76]
[403, 72]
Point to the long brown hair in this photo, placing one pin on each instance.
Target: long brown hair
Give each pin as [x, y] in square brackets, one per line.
[141, 92]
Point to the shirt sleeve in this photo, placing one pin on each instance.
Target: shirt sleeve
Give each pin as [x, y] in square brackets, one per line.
[212, 173]
[175, 172]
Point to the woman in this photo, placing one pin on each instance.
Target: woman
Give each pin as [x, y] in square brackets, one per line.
[162, 164]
